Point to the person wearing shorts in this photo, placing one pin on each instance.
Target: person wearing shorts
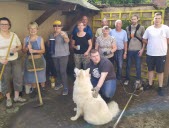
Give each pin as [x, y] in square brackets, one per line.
[156, 37]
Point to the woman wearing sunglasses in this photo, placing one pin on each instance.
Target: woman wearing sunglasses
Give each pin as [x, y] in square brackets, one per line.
[59, 46]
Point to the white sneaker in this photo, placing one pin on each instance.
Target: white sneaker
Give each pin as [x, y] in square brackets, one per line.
[8, 103]
[126, 82]
[137, 84]
[19, 99]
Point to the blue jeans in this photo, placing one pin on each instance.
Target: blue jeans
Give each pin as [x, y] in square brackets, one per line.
[118, 58]
[137, 59]
[108, 88]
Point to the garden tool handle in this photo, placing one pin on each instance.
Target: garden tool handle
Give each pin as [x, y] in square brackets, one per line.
[36, 77]
[3, 67]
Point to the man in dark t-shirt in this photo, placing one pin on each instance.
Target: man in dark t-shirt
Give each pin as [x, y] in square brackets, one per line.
[103, 76]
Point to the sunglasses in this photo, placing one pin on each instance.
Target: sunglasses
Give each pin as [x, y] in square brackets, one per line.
[4, 24]
[57, 25]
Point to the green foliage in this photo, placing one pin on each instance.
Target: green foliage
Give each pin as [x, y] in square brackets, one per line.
[125, 24]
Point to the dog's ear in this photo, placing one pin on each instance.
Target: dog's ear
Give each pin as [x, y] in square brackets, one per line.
[88, 71]
[76, 70]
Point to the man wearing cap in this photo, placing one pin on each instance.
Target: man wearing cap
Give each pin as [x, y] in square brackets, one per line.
[60, 55]
[87, 28]
[121, 40]
[105, 44]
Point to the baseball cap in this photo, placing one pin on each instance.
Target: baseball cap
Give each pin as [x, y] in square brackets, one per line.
[105, 28]
[57, 22]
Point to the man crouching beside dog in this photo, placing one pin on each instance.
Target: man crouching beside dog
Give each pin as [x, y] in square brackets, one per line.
[90, 99]
[103, 76]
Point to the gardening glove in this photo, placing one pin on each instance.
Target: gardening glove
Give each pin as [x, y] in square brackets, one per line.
[95, 91]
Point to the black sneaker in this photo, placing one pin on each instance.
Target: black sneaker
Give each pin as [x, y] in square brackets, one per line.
[33, 93]
[160, 91]
[43, 91]
[147, 87]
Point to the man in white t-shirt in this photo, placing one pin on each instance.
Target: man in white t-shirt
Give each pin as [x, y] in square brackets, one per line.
[156, 37]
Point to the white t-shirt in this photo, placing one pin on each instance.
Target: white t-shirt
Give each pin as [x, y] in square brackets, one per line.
[4, 44]
[157, 40]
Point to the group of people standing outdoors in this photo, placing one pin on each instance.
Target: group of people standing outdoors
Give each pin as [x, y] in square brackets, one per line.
[129, 44]
[111, 47]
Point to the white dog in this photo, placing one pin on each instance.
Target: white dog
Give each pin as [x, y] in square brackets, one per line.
[94, 110]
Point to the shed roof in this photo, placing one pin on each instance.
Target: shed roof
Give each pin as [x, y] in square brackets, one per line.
[83, 3]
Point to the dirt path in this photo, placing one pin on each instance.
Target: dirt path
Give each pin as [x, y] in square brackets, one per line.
[147, 110]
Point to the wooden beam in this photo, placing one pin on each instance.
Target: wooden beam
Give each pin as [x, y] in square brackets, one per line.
[39, 6]
[62, 7]
[45, 16]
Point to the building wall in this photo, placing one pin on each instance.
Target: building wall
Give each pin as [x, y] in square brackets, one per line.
[20, 17]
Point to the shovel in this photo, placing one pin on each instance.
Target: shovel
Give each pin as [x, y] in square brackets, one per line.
[37, 83]
[3, 67]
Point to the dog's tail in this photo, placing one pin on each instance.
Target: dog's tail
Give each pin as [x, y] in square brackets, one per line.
[114, 108]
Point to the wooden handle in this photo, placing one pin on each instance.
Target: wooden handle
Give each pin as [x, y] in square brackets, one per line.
[36, 77]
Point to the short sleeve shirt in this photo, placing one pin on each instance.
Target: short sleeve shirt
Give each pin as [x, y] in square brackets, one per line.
[5, 43]
[83, 42]
[157, 40]
[61, 47]
[105, 45]
[121, 38]
[103, 66]
[87, 29]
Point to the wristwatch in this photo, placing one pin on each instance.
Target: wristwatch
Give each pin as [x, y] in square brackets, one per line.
[125, 52]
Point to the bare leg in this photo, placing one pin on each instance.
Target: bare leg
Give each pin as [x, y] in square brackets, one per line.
[34, 85]
[8, 96]
[43, 84]
[150, 77]
[16, 94]
[160, 79]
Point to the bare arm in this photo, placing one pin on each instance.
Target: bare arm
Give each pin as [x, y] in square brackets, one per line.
[73, 44]
[143, 47]
[145, 41]
[96, 46]
[3, 61]
[125, 50]
[24, 48]
[89, 48]
[65, 37]
[102, 79]
[114, 47]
